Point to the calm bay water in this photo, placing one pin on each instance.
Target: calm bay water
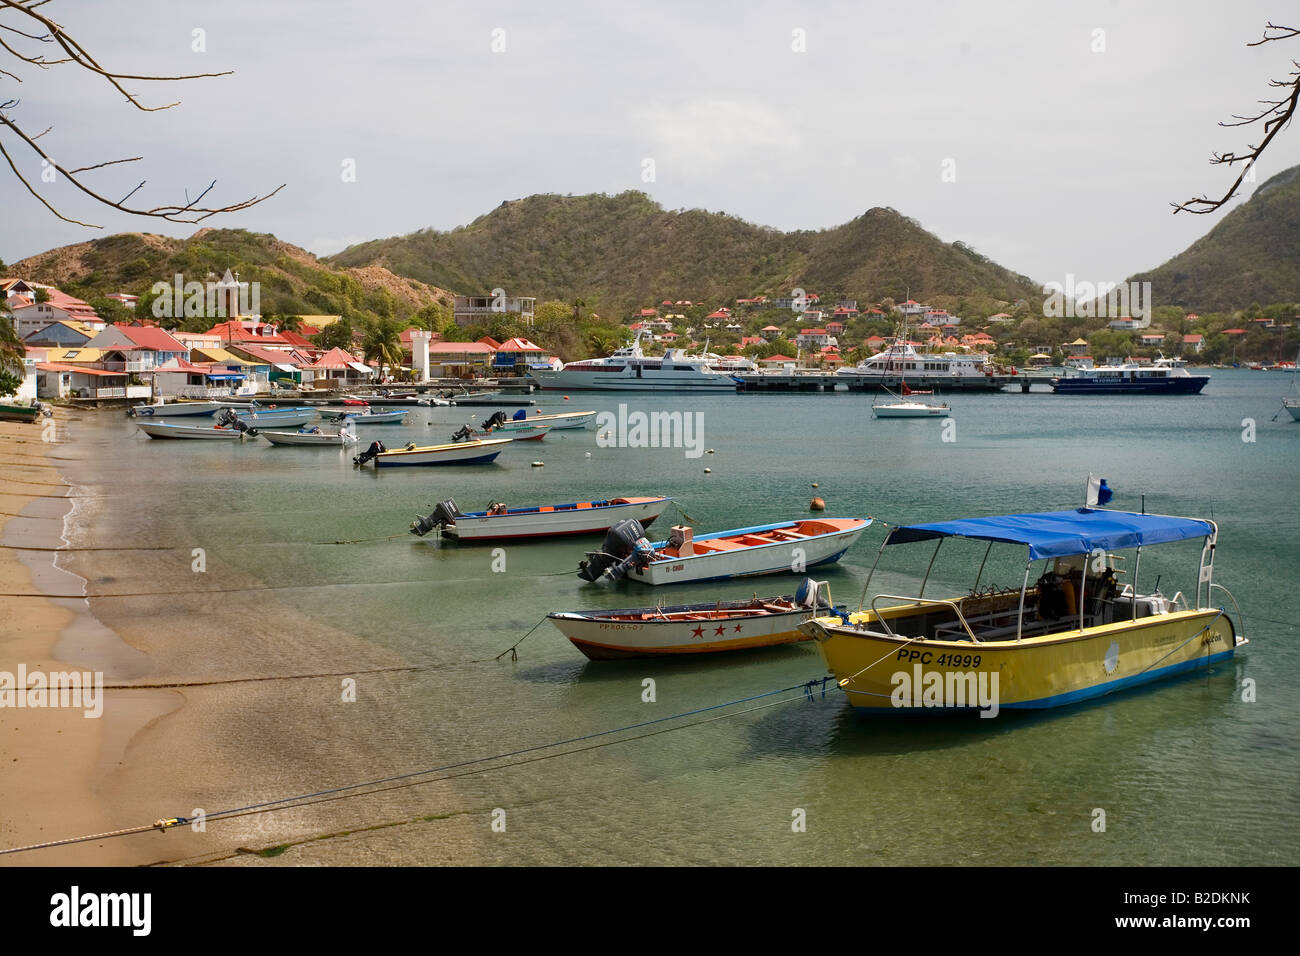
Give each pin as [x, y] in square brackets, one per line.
[1186, 772]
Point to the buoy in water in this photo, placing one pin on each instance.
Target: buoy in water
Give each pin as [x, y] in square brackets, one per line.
[816, 505]
[708, 471]
[588, 454]
[539, 464]
[815, 485]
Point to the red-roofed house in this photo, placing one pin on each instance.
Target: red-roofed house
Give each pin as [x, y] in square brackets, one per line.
[155, 346]
[459, 359]
[251, 332]
[337, 367]
[517, 351]
[777, 361]
[1194, 341]
[770, 332]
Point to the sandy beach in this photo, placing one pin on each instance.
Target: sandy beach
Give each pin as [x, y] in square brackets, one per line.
[53, 758]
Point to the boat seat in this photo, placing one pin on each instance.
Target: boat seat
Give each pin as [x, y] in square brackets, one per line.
[583, 504]
[718, 545]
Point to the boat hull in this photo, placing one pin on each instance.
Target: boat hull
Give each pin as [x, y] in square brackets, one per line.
[198, 432]
[1035, 673]
[1294, 408]
[627, 381]
[560, 520]
[19, 413]
[174, 409]
[785, 557]
[287, 419]
[1182, 385]
[464, 453]
[301, 439]
[910, 410]
[374, 418]
[715, 627]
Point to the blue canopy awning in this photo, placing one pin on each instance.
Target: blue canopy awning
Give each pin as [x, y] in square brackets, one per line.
[222, 375]
[1054, 534]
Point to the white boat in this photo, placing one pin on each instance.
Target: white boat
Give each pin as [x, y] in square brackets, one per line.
[365, 416]
[263, 417]
[910, 409]
[630, 369]
[202, 432]
[453, 453]
[313, 435]
[900, 361]
[500, 427]
[709, 626]
[173, 409]
[498, 522]
[559, 420]
[785, 547]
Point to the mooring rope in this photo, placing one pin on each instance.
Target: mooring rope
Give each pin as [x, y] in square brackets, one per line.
[365, 788]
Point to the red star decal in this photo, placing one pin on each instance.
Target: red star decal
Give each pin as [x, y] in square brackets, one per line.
[719, 630]
[737, 628]
[698, 632]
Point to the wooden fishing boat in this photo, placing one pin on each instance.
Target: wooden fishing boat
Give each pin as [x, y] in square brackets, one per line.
[786, 547]
[452, 453]
[314, 435]
[173, 409]
[498, 522]
[707, 627]
[1075, 634]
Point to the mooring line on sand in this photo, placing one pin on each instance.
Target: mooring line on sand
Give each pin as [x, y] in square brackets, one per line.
[401, 781]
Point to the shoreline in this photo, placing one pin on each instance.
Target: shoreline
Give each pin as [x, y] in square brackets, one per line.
[58, 758]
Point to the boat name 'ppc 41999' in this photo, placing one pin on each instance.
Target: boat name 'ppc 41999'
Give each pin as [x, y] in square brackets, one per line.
[638, 429]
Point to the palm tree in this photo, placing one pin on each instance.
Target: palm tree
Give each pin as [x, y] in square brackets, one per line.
[602, 341]
[382, 342]
[12, 350]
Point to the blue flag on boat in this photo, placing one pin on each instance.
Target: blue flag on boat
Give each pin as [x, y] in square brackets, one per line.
[1099, 492]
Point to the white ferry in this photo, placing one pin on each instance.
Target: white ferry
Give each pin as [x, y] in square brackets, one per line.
[900, 362]
[630, 369]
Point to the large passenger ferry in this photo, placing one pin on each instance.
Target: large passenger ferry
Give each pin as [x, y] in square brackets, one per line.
[1162, 377]
[900, 362]
[630, 369]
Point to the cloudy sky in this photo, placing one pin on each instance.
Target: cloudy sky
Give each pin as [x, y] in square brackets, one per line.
[1050, 136]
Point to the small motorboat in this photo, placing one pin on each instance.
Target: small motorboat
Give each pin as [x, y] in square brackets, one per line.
[1073, 634]
[226, 428]
[313, 435]
[783, 548]
[557, 420]
[173, 409]
[368, 416]
[452, 453]
[272, 417]
[499, 425]
[707, 627]
[13, 412]
[498, 522]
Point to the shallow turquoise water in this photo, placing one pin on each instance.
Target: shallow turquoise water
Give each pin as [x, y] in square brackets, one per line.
[1186, 771]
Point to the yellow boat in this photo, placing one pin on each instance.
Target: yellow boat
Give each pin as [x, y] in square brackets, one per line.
[1074, 634]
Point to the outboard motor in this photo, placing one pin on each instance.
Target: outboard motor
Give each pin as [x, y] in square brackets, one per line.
[495, 419]
[375, 448]
[443, 515]
[806, 595]
[227, 418]
[463, 434]
[625, 545]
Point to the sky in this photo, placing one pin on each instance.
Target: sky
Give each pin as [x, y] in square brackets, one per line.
[1051, 137]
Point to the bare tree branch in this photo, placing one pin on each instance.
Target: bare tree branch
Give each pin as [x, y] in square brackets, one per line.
[1275, 115]
[190, 212]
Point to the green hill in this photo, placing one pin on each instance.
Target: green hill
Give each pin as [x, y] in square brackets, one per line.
[292, 280]
[622, 252]
[1251, 256]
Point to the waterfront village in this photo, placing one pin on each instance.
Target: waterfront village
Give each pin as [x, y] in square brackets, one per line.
[74, 353]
